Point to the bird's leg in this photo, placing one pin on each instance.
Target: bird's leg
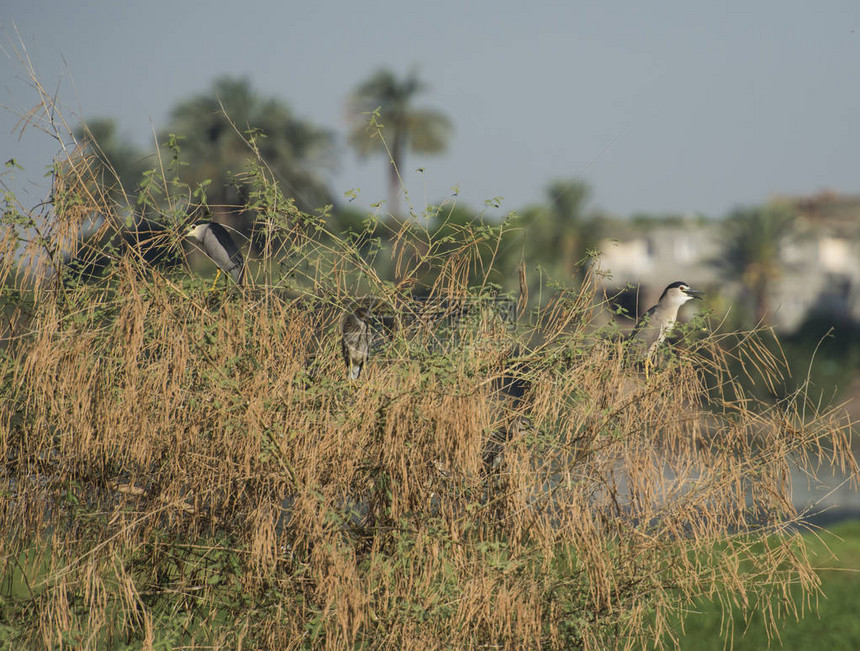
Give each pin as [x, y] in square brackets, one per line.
[647, 366]
[217, 276]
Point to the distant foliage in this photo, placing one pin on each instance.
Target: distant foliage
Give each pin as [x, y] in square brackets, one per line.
[753, 250]
[120, 163]
[215, 127]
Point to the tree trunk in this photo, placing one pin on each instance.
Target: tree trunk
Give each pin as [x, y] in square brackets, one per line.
[762, 303]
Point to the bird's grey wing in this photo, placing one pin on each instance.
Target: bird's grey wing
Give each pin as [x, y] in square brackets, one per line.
[356, 344]
[355, 339]
[223, 250]
[645, 333]
[643, 322]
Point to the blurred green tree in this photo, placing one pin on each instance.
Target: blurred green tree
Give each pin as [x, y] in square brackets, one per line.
[119, 164]
[399, 127]
[214, 127]
[754, 237]
[557, 234]
[567, 201]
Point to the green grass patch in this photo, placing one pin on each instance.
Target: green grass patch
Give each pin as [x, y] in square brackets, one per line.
[831, 623]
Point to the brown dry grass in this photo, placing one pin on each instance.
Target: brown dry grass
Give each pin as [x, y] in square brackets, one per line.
[192, 469]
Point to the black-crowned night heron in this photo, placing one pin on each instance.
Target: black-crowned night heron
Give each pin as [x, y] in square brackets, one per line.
[215, 241]
[655, 324]
[355, 340]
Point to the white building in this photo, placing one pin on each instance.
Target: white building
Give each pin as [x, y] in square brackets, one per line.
[820, 272]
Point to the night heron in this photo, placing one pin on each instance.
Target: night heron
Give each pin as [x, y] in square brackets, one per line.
[355, 340]
[655, 324]
[216, 242]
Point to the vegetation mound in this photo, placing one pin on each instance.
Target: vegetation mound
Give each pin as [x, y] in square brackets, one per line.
[192, 467]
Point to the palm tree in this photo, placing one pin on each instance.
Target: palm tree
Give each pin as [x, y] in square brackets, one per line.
[567, 201]
[556, 233]
[752, 251]
[400, 126]
[296, 150]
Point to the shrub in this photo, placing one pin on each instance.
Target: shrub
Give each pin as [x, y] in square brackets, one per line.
[186, 467]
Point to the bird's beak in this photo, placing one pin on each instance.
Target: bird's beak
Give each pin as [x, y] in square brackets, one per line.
[694, 293]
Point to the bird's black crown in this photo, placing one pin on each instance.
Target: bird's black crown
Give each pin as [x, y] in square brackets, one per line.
[677, 283]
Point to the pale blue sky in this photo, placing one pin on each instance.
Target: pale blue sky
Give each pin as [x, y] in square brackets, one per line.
[667, 105]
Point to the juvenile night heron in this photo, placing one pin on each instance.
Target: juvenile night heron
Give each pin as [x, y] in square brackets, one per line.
[215, 241]
[355, 340]
[655, 324]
